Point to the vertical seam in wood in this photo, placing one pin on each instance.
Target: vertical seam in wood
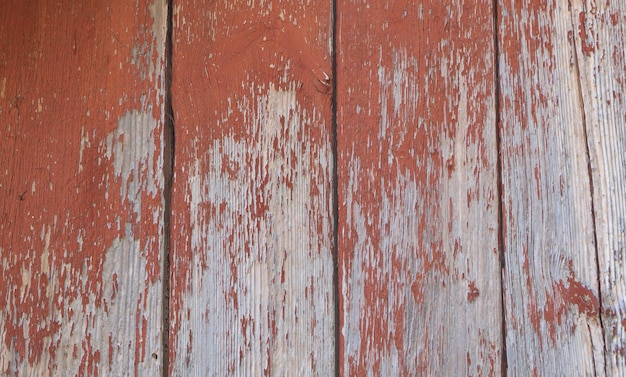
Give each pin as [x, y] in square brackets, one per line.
[591, 190]
[168, 173]
[335, 194]
[498, 126]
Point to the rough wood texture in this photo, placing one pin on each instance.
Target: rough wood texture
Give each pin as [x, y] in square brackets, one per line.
[600, 33]
[418, 202]
[551, 285]
[81, 89]
[83, 202]
[252, 222]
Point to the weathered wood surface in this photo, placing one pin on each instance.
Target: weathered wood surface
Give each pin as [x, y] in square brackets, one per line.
[419, 268]
[551, 280]
[81, 222]
[419, 291]
[252, 282]
[599, 31]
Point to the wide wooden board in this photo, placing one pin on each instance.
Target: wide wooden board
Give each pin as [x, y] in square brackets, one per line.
[599, 32]
[551, 281]
[252, 271]
[81, 187]
[419, 264]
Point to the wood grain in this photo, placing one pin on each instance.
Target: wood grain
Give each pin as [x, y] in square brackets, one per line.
[418, 201]
[252, 271]
[81, 225]
[550, 282]
[599, 33]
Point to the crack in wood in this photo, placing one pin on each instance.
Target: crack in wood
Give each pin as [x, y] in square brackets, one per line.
[591, 191]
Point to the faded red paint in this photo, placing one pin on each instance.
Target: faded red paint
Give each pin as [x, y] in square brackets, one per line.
[66, 73]
[569, 295]
[551, 293]
[397, 164]
[587, 39]
[473, 292]
[230, 57]
[399, 89]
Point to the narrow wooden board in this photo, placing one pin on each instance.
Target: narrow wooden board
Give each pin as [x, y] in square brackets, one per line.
[81, 222]
[252, 271]
[419, 267]
[551, 283]
[600, 34]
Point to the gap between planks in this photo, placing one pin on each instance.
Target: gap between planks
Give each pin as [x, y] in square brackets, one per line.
[499, 188]
[168, 174]
[335, 192]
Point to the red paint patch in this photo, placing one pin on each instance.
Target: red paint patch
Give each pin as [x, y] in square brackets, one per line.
[586, 36]
[72, 72]
[473, 292]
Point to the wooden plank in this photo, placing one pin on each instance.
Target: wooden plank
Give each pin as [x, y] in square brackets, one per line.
[599, 32]
[418, 201]
[81, 187]
[252, 271]
[550, 281]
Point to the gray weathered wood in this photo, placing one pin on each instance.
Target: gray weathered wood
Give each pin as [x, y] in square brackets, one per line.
[551, 288]
[418, 200]
[600, 34]
[252, 271]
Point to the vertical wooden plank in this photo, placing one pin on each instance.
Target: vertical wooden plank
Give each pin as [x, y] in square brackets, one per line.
[550, 280]
[418, 201]
[599, 31]
[252, 268]
[81, 224]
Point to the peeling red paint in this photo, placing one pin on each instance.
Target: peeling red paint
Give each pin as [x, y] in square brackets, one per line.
[409, 108]
[548, 228]
[415, 163]
[473, 292]
[67, 67]
[251, 199]
[588, 44]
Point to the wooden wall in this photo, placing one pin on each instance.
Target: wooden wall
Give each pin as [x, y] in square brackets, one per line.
[345, 188]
